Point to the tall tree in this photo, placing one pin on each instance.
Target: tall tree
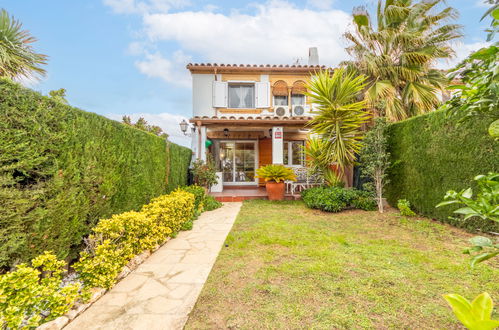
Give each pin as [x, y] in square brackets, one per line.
[339, 116]
[397, 53]
[17, 57]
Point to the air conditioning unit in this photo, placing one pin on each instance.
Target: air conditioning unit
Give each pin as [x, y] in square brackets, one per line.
[301, 110]
[281, 110]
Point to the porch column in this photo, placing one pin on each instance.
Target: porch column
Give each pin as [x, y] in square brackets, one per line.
[277, 144]
[194, 137]
[202, 148]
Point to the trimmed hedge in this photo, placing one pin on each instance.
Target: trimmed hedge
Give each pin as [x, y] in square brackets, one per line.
[62, 169]
[433, 154]
[40, 292]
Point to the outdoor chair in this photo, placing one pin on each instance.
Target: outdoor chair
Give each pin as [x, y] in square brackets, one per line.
[304, 180]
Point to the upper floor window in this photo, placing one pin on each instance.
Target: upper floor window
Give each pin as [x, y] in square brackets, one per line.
[280, 100]
[297, 99]
[241, 95]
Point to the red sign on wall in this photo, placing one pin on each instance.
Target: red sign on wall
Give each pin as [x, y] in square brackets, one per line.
[278, 134]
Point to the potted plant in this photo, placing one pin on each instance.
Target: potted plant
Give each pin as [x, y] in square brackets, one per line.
[204, 173]
[274, 176]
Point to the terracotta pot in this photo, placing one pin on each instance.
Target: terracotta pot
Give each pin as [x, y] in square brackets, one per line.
[275, 191]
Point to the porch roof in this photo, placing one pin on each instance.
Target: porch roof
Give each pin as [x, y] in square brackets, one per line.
[250, 121]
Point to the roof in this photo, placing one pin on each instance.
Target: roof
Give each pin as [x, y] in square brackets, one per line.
[221, 68]
[250, 120]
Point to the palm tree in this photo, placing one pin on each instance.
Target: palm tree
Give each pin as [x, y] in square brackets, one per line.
[339, 116]
[17, 57]
[397, 54]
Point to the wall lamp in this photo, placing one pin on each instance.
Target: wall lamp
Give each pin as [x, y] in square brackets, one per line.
[184, 126]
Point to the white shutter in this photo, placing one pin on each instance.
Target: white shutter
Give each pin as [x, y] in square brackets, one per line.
[220, 94]
[262, 95]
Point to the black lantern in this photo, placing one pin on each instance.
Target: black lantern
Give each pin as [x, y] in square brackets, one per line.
[226, 132]
[270, 132]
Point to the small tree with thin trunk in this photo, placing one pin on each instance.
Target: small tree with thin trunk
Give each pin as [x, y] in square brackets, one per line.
[375, 158]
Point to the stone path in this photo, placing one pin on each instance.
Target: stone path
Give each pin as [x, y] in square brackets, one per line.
[162, 291]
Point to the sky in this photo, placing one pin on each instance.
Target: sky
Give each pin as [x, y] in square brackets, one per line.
[128, 57]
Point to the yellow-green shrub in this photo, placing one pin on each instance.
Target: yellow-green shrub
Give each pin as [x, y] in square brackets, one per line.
[115, 241]
[28, 291]
[171, 210]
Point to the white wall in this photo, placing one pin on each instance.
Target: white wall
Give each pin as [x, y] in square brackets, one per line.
[277, 144]
[202, 85]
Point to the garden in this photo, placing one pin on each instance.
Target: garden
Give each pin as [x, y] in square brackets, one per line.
[83, 199]
[288, 266]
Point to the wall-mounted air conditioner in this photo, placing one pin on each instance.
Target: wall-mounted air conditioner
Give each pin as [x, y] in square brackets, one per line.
[301, 110]
[281, 110]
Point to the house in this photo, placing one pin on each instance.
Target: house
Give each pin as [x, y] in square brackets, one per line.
[248, 116]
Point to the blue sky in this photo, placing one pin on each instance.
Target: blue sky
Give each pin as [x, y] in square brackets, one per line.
[117, 57]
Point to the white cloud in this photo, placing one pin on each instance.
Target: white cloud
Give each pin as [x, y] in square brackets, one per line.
[462, 51]
[170, 70]
[167, 121]
[134, 6]
[277, 33]
[320, 4]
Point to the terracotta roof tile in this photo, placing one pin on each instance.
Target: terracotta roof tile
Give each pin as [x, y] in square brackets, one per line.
[253, 67]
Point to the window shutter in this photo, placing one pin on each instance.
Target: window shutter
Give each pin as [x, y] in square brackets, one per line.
[262, 95]
[220, 94]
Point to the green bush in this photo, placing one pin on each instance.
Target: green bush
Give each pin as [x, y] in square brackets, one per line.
[31, 295]
[115, 241]
[210, 203]
[62, 169]
[28, 292]
[336, 199]
[431, 155]
[199, 196]
[404, 207]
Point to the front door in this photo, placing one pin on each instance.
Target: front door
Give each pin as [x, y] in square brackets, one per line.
[238, 162]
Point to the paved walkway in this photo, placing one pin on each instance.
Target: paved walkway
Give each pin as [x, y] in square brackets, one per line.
[161, 292]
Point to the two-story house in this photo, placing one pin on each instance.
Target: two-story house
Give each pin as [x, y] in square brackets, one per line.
[248, 116]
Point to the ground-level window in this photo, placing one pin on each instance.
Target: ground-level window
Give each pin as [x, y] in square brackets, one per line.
[241, 95]
[293, 153]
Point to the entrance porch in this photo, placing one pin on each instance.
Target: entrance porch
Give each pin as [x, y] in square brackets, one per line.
[240, 146]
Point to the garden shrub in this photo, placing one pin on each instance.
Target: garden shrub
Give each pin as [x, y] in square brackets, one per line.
[62, 169]
[336, 199]
[199, 197]
[115, 241]
[210, 203]
[432, 154]
[171, 210]
[404, 207]
[364, 200]
[27, 293]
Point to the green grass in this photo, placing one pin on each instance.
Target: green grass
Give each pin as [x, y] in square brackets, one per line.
[289, 267]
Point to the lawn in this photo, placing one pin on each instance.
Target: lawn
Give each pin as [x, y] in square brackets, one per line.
[285, 266]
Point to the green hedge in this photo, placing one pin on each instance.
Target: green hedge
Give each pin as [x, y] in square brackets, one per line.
[433, 154]
[62, 169]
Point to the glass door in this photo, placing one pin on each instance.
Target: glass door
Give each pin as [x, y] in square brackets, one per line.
[238, 162]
